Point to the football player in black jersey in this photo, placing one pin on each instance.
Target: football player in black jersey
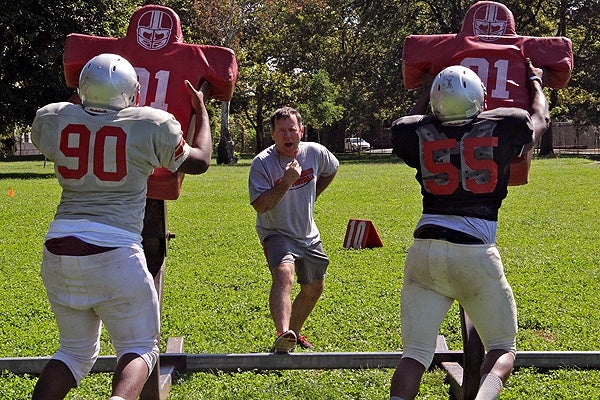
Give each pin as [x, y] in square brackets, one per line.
[461, 154]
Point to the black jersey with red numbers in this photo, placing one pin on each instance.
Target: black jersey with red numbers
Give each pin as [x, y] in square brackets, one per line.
[463, 170]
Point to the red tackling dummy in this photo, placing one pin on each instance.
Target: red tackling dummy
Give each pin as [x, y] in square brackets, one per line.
[489, 45]
[154, 46]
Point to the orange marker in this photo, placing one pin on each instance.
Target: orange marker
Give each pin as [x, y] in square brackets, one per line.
[11, 192]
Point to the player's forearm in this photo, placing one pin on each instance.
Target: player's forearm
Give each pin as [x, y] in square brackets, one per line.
[269, 199]
[420, 107]
[203, 135]
[199, 158]
[540, 114]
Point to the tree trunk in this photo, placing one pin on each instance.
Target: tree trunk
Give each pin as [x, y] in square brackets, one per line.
[546, 143]
[225, 150]
[259, 123]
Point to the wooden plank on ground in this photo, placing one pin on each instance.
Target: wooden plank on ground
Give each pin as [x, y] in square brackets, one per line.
[168, 370]
[313, 360]
[301, 360]
[454, 371]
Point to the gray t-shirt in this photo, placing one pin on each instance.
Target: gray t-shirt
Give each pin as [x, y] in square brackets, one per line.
[294, 215]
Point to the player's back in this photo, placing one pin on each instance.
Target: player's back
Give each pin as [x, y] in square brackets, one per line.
[463, 169]
[103, 161]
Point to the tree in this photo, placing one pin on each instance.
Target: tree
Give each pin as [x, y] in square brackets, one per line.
[32, 39]
[217, 23]
[318, 101]
[288, 51]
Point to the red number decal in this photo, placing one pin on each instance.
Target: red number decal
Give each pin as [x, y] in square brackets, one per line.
[81, 135]
[440, 168]
[483, 70]
[468, 153]
[109, 161]
[117, 149]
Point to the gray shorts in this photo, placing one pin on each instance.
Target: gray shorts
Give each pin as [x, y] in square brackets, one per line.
[310, 262]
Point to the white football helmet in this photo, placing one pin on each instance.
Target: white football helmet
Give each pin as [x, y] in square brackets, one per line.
[457, 95]
[108, 82]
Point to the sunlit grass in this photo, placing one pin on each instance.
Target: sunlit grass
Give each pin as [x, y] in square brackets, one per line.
[217, 282]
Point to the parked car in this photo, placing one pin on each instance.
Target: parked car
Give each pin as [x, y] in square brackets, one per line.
[356, 144]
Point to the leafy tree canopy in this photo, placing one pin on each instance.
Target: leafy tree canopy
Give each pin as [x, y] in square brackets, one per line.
[338, 61]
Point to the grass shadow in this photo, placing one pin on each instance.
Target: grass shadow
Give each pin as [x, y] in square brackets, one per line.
[368, 158]
[26, 175]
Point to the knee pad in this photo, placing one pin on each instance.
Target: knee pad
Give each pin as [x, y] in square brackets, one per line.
[79, 365]
[424, 357]
[149, 357]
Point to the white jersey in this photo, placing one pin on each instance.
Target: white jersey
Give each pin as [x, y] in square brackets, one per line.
[103, 161]
[293, 216]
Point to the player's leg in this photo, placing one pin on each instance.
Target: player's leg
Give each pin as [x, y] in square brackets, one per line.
[131, 372]
[494, 316]
[78, 350]
[79, 327]
[131, 317]
[422, 312]
[310, 270]
[54, 382]
[305, 302]
[280, 306]
[495, 370]
[280, 303]
[279, 254]
[407, 379]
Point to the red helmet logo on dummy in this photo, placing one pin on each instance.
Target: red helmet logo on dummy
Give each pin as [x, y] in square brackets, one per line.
[490, 21]
[154, 29]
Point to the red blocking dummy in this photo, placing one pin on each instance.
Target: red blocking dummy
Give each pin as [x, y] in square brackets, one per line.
[489, 45]
[154, 46]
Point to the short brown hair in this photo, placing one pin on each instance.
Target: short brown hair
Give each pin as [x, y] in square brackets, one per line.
[285, 112]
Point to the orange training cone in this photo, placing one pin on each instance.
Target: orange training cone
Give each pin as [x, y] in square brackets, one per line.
[11, 192]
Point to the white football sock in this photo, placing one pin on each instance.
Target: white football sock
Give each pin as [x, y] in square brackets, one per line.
[489, 387]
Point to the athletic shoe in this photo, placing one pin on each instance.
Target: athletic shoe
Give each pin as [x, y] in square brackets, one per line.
[285, 342]
[304, 343]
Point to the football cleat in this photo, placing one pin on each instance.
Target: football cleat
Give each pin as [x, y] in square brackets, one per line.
[285, 342]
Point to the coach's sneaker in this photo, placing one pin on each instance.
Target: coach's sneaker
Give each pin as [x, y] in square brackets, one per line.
[304, 343]
[285, 342]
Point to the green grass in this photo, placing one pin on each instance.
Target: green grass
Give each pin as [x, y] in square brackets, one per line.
[217, 283]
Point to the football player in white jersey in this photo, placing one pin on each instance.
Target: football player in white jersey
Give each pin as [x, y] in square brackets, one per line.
[93, 267]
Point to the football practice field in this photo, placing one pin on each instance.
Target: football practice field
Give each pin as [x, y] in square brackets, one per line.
[217, 283]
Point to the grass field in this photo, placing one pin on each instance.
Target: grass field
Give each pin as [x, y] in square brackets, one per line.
[217, 282]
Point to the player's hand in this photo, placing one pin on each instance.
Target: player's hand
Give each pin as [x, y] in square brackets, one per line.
[197, 97]
[292, 172]
[532, 70]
